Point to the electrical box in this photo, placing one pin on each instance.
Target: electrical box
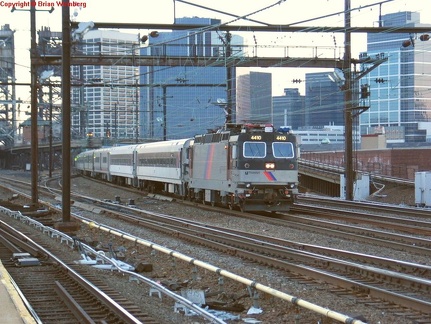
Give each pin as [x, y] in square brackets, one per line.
[361, 187]
[423, 189]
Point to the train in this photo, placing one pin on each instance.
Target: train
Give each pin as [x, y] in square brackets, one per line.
[250, 167]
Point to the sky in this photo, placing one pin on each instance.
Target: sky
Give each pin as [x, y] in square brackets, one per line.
[297, 13]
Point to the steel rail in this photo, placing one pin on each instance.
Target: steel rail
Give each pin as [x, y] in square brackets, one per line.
[104, 298]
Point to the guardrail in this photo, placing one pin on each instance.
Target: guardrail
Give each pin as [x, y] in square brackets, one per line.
[333, 172]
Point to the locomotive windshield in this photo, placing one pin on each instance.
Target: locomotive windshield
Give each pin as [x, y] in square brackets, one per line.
[282, 150]
[254, 149]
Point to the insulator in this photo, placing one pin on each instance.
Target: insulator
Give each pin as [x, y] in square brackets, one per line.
[424, 37]
[406, 43]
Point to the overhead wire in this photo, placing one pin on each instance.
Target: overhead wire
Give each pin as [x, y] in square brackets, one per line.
[305, 29]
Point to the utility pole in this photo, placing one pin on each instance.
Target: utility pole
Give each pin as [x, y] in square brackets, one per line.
[229, 78]
[33, 102]
[34, 112]
[116, 123]
[348, 122]
[66, 58]
[137, 112]
[164, 113]
[50, 132]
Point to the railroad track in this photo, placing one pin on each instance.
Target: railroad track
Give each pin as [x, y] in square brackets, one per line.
[363, 207]
[59, 290]
[364, 289]
[414, 244]
[360, 276]
[348, 220]
[396, 223]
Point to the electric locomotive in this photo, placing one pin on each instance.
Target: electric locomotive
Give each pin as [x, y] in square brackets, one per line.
[250, 167]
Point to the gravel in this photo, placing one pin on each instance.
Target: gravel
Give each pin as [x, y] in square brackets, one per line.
[274, 311]
[180, 275]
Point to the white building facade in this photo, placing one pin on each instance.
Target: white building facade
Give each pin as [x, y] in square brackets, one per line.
[106, 105]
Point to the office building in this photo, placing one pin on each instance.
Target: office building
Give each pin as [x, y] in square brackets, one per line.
[400, 87]
[288, 110]
[107, 106]
[324, 101]
[254, 98]
[182, 101]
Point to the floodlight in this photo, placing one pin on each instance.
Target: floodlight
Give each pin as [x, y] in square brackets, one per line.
[337, 76]
[45, 75]
[83, 28]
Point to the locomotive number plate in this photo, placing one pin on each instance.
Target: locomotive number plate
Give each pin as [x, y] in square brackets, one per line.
[256, 137]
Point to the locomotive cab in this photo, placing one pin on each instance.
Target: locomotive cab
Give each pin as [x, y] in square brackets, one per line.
[266, 168]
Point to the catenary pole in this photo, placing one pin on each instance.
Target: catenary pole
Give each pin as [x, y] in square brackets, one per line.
[348, 128]
[66, 123]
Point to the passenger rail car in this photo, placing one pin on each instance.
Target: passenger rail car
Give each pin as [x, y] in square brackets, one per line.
[250, 167]
[122, 165]
[160, 166]
[101, 163]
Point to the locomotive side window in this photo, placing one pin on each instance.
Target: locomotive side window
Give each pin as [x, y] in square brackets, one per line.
[283, 150]
[234, 152]
[254, 149]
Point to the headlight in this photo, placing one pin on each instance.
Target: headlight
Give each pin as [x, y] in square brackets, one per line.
[270, 165]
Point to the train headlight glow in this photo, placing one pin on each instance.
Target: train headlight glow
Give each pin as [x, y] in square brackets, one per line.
[270, 165]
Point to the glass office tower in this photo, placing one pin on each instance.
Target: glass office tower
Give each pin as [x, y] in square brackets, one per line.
[182, 101]
[106, 106]
[400, 88]
[324, 101]
[288, 110]
[254, 99]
